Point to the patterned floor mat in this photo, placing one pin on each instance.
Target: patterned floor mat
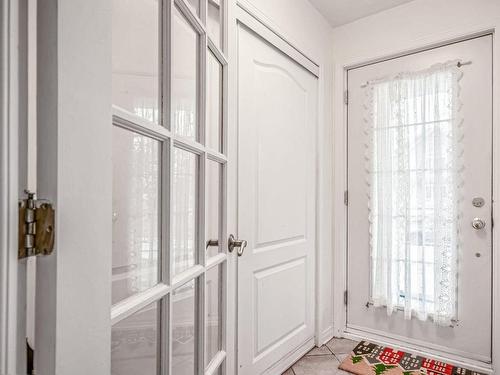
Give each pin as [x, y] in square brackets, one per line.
[368, 358]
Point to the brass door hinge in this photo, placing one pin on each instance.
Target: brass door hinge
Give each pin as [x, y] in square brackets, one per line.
[36, 227]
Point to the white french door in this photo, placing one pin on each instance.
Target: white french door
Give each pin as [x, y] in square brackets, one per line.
[169, 261]
[277, 120]
[419, 211]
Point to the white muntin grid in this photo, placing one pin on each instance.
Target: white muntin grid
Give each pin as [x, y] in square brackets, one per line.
[169, 140]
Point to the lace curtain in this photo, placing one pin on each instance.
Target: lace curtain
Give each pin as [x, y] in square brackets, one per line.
[414, 164]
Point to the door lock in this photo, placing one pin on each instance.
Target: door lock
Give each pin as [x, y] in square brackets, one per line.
[478, 223]
[240, 244]
[478, 202]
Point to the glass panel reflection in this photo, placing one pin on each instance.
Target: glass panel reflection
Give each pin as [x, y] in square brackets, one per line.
[134, 343]
[213, 210]
[184, 77]
[212, 313]
[214, 14]
[195, 5]
[214, 103]
[183, 330]
[135, 57]
[184, 209]
[136, 188]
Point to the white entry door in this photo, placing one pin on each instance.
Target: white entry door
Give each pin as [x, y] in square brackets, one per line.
[277, 115]
[419, 211]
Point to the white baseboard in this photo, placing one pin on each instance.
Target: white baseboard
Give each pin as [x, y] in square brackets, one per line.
[325, 336]
[286, 362]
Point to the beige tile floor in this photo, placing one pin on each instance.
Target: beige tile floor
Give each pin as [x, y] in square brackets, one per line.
[324, 360]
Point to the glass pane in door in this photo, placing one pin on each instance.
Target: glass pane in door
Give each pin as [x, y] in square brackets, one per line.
[415, 187]
[213, 244]
[184, 102]
[134, 343]
[214, 14]
[136, 75]
[184, 329]
[195, 5]
[136, 217]
[184, 210]
[214, 103]
[212, 313]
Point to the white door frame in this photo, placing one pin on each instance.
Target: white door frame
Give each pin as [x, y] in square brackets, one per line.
[242, 11]
[12, 176]
[74, 172]
[340, 185]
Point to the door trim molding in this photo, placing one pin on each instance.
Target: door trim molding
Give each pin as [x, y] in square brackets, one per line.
[250, 17]
[12, 271]
[340, 173]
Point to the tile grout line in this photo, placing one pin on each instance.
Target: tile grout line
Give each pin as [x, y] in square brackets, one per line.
[330, 350]
[338, 359]
[333, 353]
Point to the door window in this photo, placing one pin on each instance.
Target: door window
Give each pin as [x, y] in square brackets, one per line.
[136, 214]
[415, 164]
[185, 82]
[169, 267]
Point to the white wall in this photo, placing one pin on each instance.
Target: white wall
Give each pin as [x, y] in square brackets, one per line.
[418, 24]
[307, 30]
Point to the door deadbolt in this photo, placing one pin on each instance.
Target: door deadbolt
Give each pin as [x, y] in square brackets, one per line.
[478, 223]
[478, 202]
[240, 244]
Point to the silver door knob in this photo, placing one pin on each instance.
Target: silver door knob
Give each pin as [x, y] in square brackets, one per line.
[240, 244]
[478, 223]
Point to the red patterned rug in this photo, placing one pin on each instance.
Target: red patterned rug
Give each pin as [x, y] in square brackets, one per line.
[367, 359]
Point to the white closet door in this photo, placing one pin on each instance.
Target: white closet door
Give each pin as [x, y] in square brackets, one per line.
[276, 199]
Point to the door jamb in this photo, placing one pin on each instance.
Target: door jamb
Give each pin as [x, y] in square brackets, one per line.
[13, 151]
[340, 174]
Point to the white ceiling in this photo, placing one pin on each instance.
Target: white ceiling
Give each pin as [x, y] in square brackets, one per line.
[340, 12]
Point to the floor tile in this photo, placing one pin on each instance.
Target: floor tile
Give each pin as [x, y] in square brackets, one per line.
[342, 372]
[322, 350]
[341, 357]
[341, 346]
[317, 365]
